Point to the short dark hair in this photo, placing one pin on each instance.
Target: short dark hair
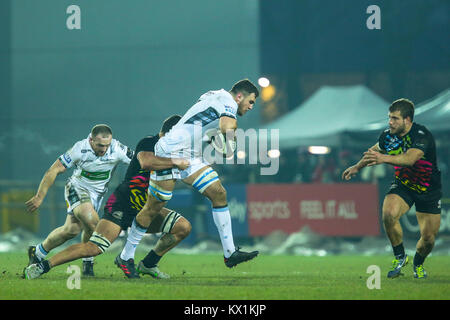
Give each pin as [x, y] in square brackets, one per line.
[245, 86]
[100, 129]
[169, 123]
[405, 106]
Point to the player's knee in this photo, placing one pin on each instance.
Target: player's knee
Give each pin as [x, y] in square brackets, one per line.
[70, 232]
[184, 228]
[390, 216]
[91, 226]
[217, 194]
[91, 249]
[428, 238]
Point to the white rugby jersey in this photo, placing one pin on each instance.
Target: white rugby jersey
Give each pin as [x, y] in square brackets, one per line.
[90, 171]
[203, 116]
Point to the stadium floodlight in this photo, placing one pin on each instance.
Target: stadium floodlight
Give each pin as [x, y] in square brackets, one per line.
[274, 153]
[319, 150]
[241, 154]
[263, 82]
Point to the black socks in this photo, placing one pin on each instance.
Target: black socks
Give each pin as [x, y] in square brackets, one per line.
[151, 259]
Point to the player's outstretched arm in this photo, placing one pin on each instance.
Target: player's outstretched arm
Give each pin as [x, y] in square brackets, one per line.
[149, 161]
[353, 170]
[47, 181]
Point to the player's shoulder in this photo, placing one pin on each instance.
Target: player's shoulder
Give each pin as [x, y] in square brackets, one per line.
[118, 147]
[227, 104]
[81, 146]
[420, 129]
[225, 97]
[148, 139]
[147, 142]
[385, 133]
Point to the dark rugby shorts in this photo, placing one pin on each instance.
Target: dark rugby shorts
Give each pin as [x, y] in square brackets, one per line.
[118, 212]
[428, 202]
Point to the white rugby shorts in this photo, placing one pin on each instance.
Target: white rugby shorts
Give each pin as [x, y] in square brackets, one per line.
[76, 195]
[176, 151]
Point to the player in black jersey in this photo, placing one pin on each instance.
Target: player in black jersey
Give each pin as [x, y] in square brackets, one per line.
[411, 149]
[121, 208]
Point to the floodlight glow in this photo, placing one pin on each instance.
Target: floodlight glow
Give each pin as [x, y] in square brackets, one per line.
[263, 82]
[274, 153]
[241, 154]
[319, 150]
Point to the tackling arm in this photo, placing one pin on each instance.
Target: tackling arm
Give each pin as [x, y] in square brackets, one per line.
[406, 159]
[149, 161]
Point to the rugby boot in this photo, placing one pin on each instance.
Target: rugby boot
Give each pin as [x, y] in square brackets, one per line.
[88, 269]
[419, 272]
[153, 271]
[32, 257]
[239, 257]
[397, 264]
[35, 270]
[127, 267]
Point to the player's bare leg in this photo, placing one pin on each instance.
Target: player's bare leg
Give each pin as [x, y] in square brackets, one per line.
[160, 192]
[57, 237]
[216, 193]
[88, 217]
[105, 233]
[105, 229]
[179, 231]
[393, 209]
[429, 227]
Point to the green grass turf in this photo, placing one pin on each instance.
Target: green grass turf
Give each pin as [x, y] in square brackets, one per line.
[205, 277]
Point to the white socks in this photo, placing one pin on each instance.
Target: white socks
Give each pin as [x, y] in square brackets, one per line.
[134, 237]
[40, 252]
[222, 219]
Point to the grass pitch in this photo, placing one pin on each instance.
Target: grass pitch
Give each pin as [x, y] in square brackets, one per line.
[205, 277]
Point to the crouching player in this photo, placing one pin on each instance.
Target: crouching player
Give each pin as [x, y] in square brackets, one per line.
[120, 211]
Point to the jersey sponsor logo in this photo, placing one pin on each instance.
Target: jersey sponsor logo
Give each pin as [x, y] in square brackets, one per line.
[229, 109]
[102, 175]
[117, 214]
[67, 158]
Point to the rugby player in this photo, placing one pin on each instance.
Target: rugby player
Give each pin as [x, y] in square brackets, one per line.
[94, 160]
[411, 149]
[121, 208]
[214, 110]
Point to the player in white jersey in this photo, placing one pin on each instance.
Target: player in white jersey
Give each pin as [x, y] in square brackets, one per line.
[94, 160]
[214, 110]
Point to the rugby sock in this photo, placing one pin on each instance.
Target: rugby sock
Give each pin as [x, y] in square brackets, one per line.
[90, 259]
[134, 237]
[41, 253]
[222, 219]
[151, 259]
[45, 265]
[418, 259]
[399, 250]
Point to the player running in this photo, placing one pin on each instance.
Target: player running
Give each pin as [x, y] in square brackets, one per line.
[411, 149]
[94, 160]
[121, 208]
[214, 110]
